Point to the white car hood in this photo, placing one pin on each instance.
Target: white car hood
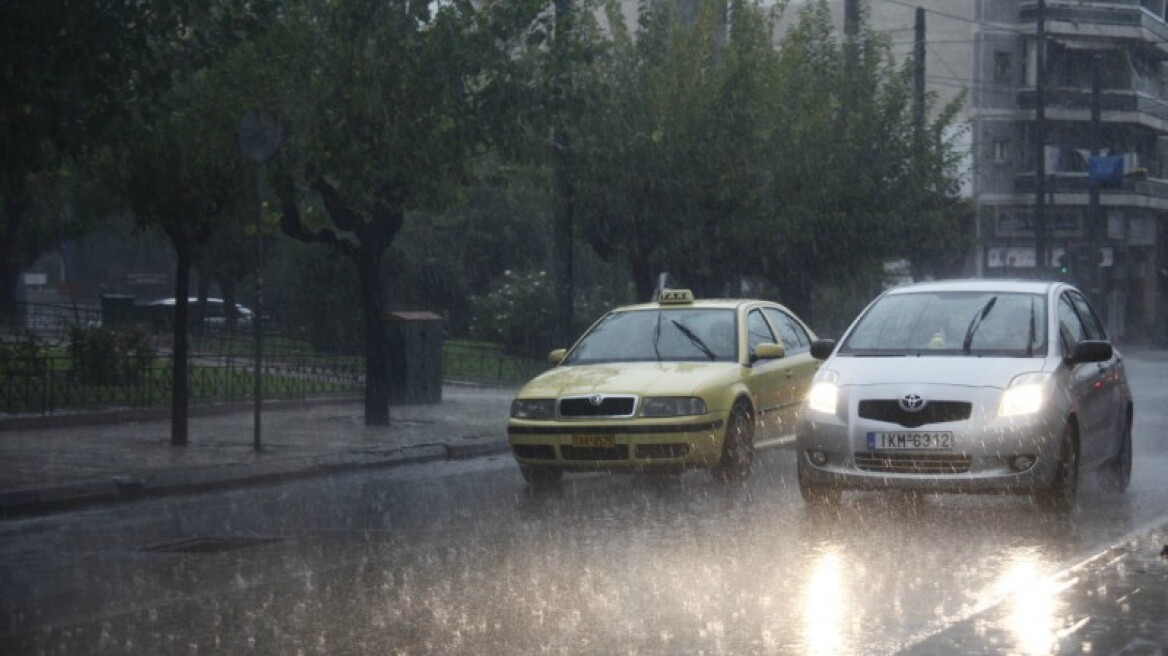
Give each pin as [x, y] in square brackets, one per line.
[970, 371]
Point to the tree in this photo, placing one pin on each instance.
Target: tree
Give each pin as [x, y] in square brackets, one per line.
[389, 106]
[717, 156]
[65, 63]
[172, 157]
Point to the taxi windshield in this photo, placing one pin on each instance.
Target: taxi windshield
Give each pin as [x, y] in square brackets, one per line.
[699, 335]
[952, 323]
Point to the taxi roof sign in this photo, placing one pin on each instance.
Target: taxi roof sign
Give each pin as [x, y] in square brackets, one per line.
[675, 297]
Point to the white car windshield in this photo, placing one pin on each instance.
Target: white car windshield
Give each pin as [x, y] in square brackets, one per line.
[699, 335]
[951, 323]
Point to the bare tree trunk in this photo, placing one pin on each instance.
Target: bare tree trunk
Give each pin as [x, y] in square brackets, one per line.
[376, 337]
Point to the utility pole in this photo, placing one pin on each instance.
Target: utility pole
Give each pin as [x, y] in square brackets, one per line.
[1094, 220]
[919, 73]
[562, 228]
[1040, 238]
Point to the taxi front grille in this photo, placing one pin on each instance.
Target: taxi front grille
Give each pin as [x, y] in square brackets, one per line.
[597, 406]
[535, 451]
[912, 463]
[935, 412]
[618, 452]
[651, 451]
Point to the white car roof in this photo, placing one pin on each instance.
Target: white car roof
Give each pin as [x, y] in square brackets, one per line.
[978, 285]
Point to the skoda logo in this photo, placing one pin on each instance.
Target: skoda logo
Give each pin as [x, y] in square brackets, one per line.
[596, 399]
[912, 402]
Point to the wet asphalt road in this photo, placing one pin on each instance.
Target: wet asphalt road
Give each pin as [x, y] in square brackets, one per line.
[459, 558]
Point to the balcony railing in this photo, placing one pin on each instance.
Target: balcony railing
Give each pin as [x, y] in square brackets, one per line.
[1111, 100]
[1137, 183]
[1144, 25]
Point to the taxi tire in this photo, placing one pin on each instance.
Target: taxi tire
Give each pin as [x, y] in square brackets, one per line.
[737, 445]
[1062, 493]
[1118, 471]
[541, 478]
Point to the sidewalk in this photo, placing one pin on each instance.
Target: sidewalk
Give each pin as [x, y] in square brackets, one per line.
[67, 461]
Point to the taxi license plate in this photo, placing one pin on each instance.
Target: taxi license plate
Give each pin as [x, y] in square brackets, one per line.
[911, 440]
[594, 440]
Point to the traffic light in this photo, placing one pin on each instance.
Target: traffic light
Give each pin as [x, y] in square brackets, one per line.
[1064, 264]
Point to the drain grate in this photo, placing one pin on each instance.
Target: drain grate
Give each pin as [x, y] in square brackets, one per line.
[207, 545]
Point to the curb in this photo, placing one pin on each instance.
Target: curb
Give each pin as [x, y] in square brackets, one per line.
[132, 487]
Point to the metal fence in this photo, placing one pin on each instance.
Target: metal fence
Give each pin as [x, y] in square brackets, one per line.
[51, 384]
[488, 365]
[221, 368]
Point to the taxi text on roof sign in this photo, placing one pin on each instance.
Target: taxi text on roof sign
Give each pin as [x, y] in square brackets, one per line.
[675, 296]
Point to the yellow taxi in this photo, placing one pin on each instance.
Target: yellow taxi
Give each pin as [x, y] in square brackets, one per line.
[670, 385]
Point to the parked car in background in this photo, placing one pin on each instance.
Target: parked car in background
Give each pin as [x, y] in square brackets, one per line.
[214, 311]
[664, 386]
[968, 386]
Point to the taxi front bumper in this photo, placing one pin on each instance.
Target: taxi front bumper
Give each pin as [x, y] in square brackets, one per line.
[676, 443]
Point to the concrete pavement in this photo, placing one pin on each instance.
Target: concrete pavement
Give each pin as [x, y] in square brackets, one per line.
[65, 461]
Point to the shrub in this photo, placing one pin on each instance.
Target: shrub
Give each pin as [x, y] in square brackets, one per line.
[518, 314]
[26, 356]
[100, 356]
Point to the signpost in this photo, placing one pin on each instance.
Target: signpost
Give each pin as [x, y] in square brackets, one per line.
[259, 137]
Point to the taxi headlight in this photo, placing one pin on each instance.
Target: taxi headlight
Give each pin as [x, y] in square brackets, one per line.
[533, 408]
[824, 394]
[672, 406]
[1025, 395]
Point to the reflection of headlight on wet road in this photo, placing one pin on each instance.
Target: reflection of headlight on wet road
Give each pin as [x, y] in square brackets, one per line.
[824, 605]
[1033, 605]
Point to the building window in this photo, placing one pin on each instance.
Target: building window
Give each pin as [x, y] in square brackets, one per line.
[1003, 71]
[1001, 150]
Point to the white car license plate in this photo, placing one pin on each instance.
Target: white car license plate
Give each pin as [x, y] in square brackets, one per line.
[911, 440]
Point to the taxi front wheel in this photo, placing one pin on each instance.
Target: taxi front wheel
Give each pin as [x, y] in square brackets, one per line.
[737, 445]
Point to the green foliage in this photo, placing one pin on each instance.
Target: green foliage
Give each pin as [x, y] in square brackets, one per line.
[714, 154]
[101, 356]
[518, 313]
[24, 356]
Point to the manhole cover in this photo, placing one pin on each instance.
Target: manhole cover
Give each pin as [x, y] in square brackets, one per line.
[207, 545]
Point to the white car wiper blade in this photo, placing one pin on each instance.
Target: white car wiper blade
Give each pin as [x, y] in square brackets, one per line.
[973, 324]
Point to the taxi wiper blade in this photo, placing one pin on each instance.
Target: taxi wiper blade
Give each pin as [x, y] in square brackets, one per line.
[657, 337]
[694, 339]
[977, 319]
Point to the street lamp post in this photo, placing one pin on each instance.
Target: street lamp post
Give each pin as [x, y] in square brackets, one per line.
[259, 139]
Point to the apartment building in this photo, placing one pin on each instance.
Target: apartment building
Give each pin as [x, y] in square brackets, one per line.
[1072, 178]
[1069, 181]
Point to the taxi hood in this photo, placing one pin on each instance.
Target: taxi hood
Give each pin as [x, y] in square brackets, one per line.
[640, 378]
[971, 371]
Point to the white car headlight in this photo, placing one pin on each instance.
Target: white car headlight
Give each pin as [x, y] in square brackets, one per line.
[672, 406]
[533, 408]
[1025, 395]
[824, 393]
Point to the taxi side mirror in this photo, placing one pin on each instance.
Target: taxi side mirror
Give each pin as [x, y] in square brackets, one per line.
[768, 351]
[822, 348]
[557, 356]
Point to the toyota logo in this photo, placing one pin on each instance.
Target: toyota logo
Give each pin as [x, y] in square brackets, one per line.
[912, 403]
[596, 399]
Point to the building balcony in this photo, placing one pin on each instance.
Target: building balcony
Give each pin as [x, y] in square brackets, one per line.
[1137, 189]
[1120, 19]
[1075, 104]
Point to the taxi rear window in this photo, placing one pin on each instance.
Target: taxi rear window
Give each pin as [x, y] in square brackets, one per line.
[658, 335]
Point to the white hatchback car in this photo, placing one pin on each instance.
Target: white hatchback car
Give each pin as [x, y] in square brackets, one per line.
[968, 386]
